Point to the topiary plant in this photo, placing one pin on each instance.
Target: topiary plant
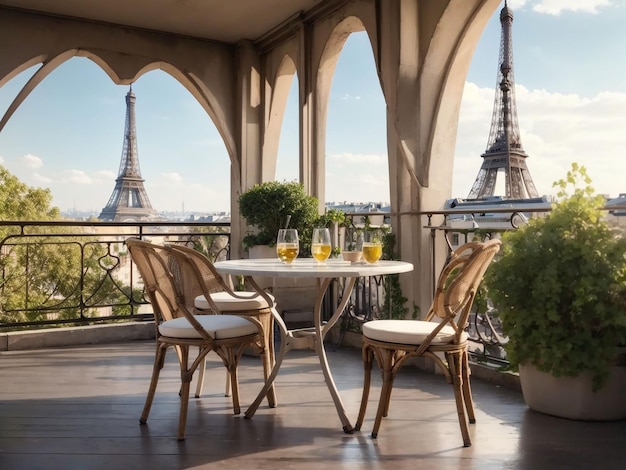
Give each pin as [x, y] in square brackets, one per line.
[271, 205]
[560, 286]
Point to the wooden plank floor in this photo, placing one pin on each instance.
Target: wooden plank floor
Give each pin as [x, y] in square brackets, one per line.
[78, 408]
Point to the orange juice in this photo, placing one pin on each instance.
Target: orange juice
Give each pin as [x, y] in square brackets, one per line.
[320, 252]
[372, 252]
[287, 252]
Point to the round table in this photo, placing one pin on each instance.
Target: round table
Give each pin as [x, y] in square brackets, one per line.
[326, 273]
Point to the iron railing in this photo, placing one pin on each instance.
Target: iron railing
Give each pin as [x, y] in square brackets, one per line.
[486, 336]
[101, 286]
[76, 273]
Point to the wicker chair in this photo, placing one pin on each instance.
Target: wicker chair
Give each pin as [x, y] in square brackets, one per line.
[227, 335]
[206, 292]
[392, 342]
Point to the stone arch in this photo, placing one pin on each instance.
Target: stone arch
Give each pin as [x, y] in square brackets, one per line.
[277, 93]
[121, 72]
[48, 65]
[331, 51]
[448, 57]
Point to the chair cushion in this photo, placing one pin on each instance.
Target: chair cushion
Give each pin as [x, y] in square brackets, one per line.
[408, 331]
[218, 327]
[227, 303]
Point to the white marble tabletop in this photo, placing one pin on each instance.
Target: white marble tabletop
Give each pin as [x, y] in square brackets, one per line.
[308, 267]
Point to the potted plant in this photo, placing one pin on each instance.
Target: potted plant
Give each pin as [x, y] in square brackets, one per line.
[268, 207]
[273, 205]
[559, 288]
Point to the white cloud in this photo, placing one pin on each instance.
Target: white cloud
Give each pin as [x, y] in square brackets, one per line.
[76, 177]
[345, 159]
[104, 175]
[172, 177]
[556, 7]
[32, 161]
[40, 179]
[349, 97]
[516, 4]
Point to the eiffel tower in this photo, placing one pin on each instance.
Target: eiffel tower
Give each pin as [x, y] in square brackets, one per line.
[504, 148]
[129, 200]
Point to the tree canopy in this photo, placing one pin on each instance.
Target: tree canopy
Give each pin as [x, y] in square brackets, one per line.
[54, 275]
[19, 201]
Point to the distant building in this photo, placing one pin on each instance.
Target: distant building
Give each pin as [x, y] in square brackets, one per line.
[619, 213]
[478, 214]
[377, 210]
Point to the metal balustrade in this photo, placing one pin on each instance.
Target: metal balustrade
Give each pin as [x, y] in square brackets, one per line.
[99, 283]
[105, 288]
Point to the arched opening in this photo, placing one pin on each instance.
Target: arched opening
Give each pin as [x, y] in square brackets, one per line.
[357, 169]
[68, 136]
[288, 155]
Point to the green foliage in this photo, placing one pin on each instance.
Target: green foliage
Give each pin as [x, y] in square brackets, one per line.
[268, 206]
[560, 286]
[52, 275]
[331, 216]
[21, 202]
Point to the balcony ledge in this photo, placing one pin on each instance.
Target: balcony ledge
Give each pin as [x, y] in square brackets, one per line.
[73, 336]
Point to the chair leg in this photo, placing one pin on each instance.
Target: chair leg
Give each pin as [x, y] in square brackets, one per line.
[385, 391]
[389, 378]
[201, 371]
[455, 364]
[267, 360]
[185, 375]
[159, 360]
[230, 358]
[383, 405]
[467, 389]
[235, 389]
[228, 385]
[367, 380]
[388, 396]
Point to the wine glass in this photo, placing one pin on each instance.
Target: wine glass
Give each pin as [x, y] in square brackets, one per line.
[320, 244]
[287, 244]
[372, 246]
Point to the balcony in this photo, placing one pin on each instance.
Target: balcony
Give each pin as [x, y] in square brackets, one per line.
[79, 407]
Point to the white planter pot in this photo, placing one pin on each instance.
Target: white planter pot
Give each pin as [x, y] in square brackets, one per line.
[573, 397]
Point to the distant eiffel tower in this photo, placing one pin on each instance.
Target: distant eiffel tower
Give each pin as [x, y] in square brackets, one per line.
[504, 148]
[129, 200]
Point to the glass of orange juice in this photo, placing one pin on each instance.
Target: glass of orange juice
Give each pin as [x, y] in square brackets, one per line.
[287, 245]
[320, 244]
[372, 246]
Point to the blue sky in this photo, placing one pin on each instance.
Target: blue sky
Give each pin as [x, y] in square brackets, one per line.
[570, 74]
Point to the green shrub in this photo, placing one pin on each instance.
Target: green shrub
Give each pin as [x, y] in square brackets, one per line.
[560, 286]
[268, 206]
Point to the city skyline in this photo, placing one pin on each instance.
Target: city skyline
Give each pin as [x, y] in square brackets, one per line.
[570, 92]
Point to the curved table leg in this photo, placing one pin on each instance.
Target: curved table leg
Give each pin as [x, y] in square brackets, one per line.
[284, 341]
[320, 331]
[276, 359]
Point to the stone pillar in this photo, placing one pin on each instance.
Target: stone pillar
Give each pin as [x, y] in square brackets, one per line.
[248, 125]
